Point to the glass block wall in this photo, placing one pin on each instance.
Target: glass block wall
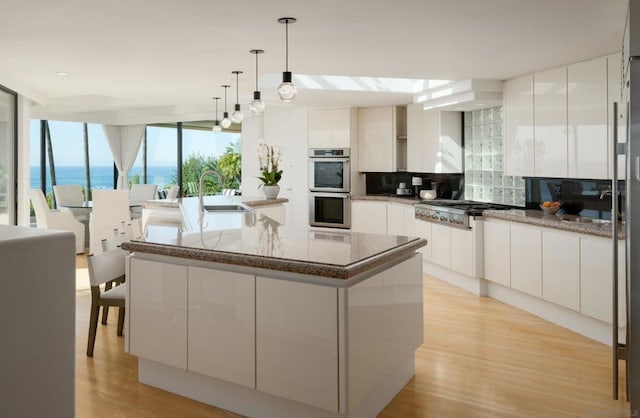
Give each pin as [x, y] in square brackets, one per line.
[483, 176]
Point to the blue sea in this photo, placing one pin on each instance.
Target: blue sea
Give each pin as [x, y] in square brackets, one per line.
[101, 176]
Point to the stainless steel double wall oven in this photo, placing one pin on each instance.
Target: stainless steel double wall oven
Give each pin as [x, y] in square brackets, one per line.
[330, 187]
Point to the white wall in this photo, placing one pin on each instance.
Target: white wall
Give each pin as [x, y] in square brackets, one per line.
[287, 127]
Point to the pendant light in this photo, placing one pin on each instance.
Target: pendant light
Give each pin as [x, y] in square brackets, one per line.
[237, 114]
[226, 122]
[216, 123]
[287, 90]
[257, 105]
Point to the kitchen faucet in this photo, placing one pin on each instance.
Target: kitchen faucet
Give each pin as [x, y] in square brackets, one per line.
[201, 189]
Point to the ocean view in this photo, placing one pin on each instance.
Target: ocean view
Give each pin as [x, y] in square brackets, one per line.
[101, 176]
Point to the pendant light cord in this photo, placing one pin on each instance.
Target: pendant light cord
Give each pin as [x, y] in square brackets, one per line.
[225, 98]
[286, 43]
[256, 70]
[237, 101]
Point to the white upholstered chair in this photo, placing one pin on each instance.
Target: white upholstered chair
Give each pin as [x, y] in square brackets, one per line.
[110, 209]
[71, 195]
[53, 219]
[141, 192]
[173, 192]
[138, 194]
[105, 268]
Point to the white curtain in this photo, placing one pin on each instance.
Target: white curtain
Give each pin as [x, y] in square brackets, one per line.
[124, 142]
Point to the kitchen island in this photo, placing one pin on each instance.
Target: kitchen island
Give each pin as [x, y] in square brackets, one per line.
[239, 311]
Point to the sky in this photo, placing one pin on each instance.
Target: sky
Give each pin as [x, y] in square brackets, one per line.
[67, 143]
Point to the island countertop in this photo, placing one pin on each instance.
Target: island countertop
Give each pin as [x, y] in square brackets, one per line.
[254, 240]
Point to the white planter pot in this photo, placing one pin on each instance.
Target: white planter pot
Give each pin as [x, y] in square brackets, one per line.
[271, 192]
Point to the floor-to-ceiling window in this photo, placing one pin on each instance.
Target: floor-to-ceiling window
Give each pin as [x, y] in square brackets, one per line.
[188, 148]
[8, 134]
[70, 153]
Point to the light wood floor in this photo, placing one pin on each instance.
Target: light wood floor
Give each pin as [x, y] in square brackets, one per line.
[480, 358]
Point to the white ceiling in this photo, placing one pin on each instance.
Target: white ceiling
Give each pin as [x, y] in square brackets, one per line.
[161, 60]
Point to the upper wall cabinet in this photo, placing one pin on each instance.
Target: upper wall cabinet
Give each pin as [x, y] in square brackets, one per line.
[550, 123]
[382, 139]
[434, 140]
[333, 128]
[587, 117]
[558, 123]
[518, 126]
[614, 95]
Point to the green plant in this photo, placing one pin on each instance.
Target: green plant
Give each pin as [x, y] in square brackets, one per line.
[269, 157]
[230, 166]
[192, 168]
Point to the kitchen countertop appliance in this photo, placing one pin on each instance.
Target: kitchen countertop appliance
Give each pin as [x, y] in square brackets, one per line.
[453, 212]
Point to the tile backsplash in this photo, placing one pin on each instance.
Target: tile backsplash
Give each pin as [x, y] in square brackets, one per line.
[483, 163]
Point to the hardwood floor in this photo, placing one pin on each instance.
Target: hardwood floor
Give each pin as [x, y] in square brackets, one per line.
[480, 358]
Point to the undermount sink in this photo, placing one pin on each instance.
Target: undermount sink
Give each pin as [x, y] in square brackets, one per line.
[226, 208]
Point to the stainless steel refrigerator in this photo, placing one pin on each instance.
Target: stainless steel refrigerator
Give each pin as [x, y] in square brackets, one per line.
[628, 145]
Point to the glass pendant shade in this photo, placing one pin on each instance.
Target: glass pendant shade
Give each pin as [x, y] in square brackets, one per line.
[257, 105]
[237, 114]
[226, 122]
[287, 90]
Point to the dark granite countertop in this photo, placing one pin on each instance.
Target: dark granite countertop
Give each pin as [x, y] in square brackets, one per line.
[569, 223]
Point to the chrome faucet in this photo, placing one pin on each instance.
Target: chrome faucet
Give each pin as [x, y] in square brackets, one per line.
[201, 189]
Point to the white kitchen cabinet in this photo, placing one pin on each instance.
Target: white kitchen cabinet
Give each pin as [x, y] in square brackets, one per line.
[442, 142]
[414, 137]
[441, 245]
[526, 259]
[461, 251]
[587, 119]
[518, 126]
[423, 230]
[550, 122]
[434, 140]
[382, 139]
[400, 219]
[296, 322]
[369, 216]
[332, 128]
[497, 252]
[158, 318]
[614, 95]
[221, 340]
[561, 269]
[595, 279]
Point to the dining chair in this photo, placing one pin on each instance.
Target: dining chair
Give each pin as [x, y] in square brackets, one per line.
[110, 209]
[141, 192]
[138, 194]
[71, 195]
[103, 268]
[47, 218]
[173, 192]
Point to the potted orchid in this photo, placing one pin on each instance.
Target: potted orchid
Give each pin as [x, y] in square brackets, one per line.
[269, 157]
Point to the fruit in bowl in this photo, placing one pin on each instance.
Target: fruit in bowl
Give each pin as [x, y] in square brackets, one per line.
[550, 208]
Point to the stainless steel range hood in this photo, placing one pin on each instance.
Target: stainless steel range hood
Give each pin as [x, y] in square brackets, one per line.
[462, 95]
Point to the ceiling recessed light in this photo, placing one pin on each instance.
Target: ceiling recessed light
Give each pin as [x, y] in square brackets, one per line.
[62, 73]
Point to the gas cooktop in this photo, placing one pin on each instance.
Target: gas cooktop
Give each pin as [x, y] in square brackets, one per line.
[453, 212]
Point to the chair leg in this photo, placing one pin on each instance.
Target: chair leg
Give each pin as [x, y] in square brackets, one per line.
[93, 325]
[105, 309]
[120, 321]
